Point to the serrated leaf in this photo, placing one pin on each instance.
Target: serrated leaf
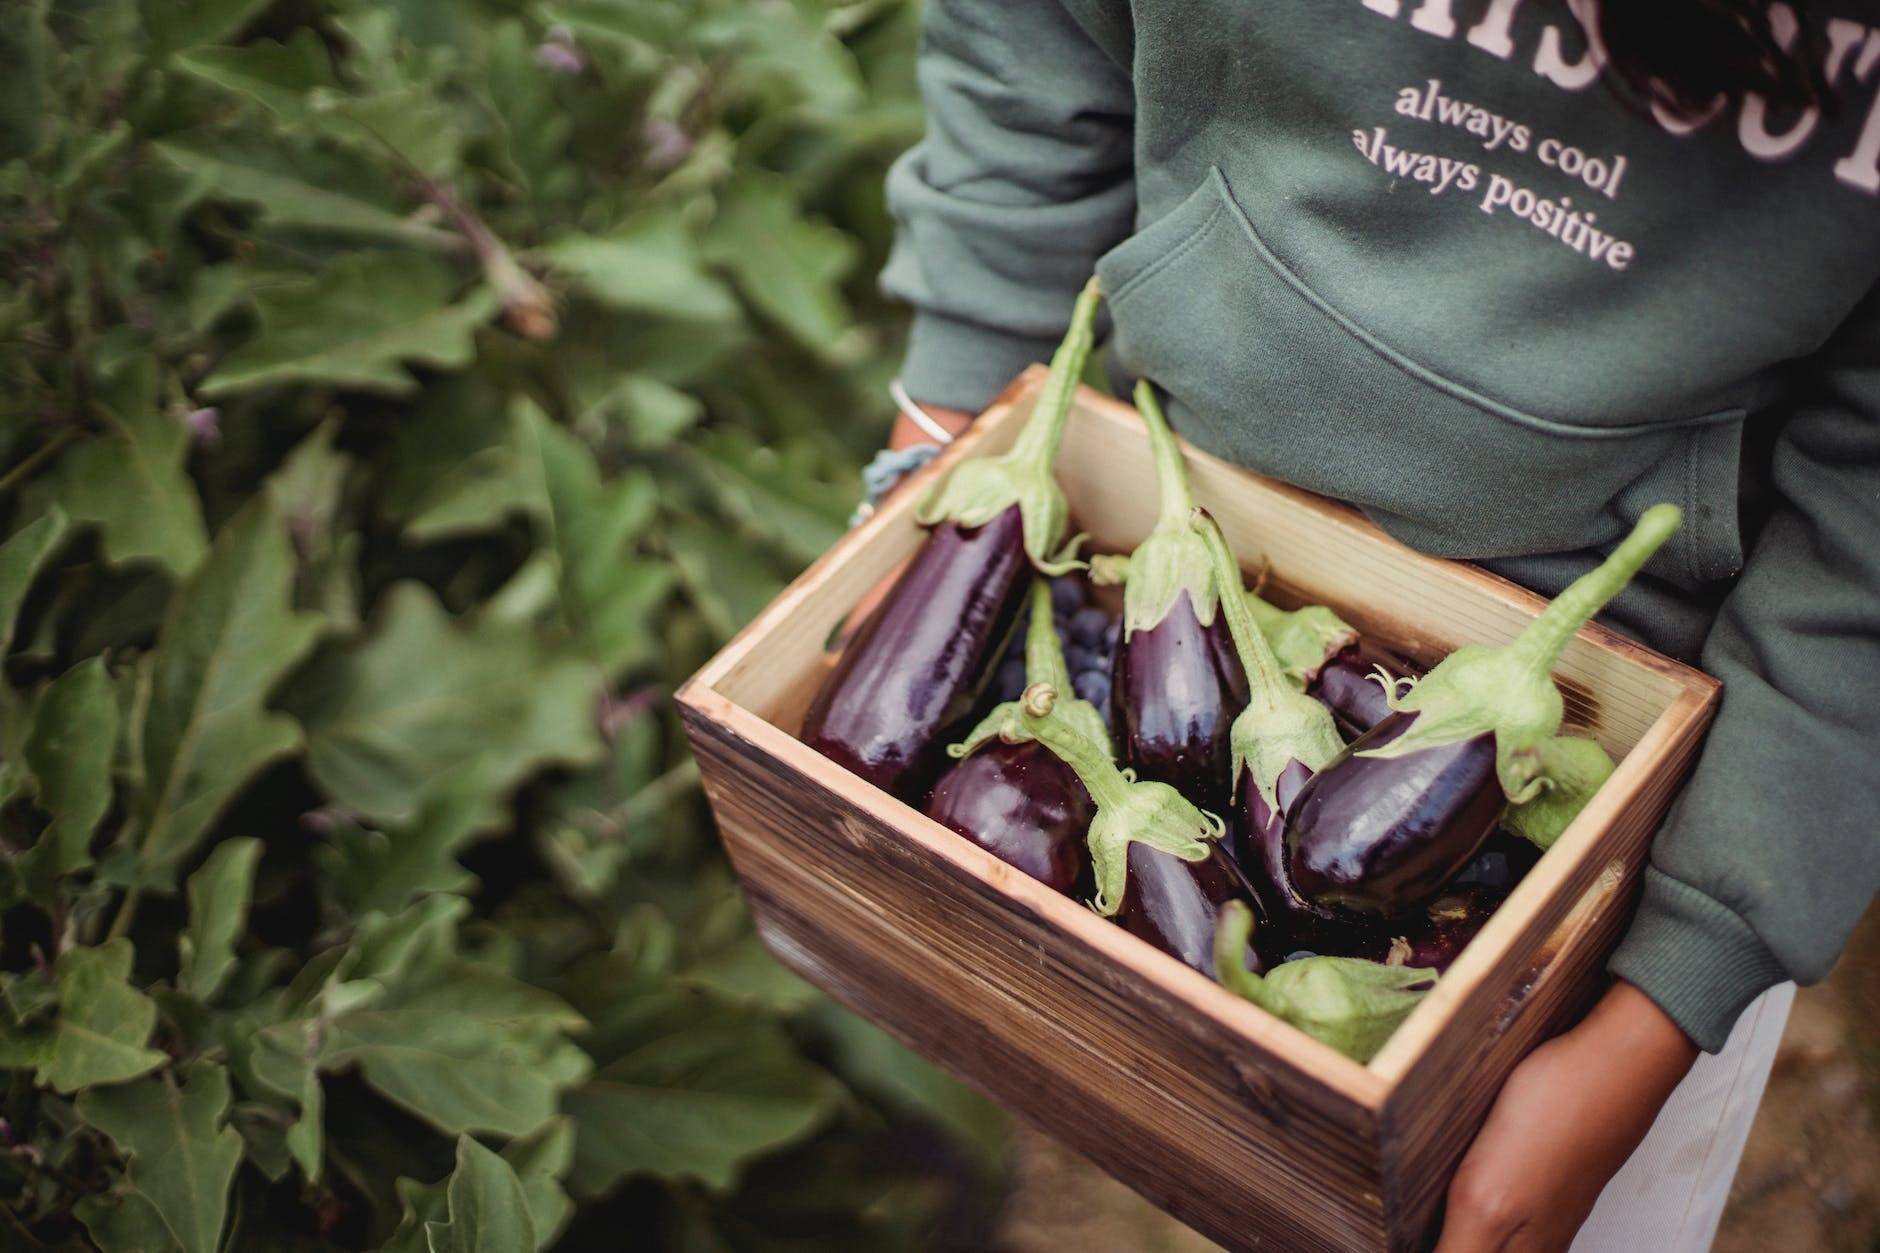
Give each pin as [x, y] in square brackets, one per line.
[103, 1022]
[409, 123]
[687, 1090]
[728, 580]
[607, 597]
[786, 264]
[424, 706]
[356, 325]
[70, 750]
[182, 1157]
[231, 634]
[277, 76]
[174, 24]
[130, 481]
[123, 1222]
[650, 267]
[488, 1211]
[297, 192]
[218, 913]
[541, 1161]
[383, 868]
[20, 559]
[755, 485]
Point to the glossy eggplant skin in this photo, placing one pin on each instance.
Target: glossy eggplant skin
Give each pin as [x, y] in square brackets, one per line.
[1381, 836]
[1174, 904]
[1346, 687]
[1446, 925]
[912, 672]
[1177, 689]
[1288, 921]
[1023, 805]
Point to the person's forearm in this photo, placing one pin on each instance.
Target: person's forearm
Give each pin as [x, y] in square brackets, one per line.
[906, 435]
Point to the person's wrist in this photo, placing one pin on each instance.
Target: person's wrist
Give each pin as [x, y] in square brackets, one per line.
[906, 434]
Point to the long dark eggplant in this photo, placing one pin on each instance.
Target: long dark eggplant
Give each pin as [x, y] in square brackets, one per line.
[1351, 685]
[914, 669]
[1020, 802]
[1176, 905]
[1278, 740]
[1178, 683]
[1386, 825]
[1349, 1003]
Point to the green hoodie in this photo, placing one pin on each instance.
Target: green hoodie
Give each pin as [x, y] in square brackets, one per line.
[1408, 253]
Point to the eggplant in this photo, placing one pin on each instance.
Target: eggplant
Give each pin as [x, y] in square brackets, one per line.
[1444, 927]
[914, 669]
[1352, 686]
[1351, 1004]
[1305, 640]
[1177, 682]
[1019, 801]
[1176, 905]
[1130, 811]
[1386, 825]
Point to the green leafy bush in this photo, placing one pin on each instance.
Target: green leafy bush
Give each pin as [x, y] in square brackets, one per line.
[396, 400]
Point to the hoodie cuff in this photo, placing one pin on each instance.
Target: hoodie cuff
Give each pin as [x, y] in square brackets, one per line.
[963, 365]
[1695, 958]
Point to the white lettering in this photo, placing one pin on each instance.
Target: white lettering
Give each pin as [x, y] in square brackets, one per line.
[1551, 64]
[1494, 34]
[1435, 18]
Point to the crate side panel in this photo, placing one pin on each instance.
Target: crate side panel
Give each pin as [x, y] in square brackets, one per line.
[1198, 1118]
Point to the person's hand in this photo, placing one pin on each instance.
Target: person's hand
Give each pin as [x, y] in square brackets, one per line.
[1567, 1119]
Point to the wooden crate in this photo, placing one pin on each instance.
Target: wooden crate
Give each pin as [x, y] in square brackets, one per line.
[1226, 1117]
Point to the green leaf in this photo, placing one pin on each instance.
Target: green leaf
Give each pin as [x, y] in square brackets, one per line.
[355, 325]
[130, 482]
[298, 191]
[70, 750]
[230, 635]
[785, 264]
[276, 76]
[20, 558]
[540, 1162]
[218, 912]
[382, 869]
[409, 123]
[103, 1022]
[182, 1157]
[488, 1211]
[728, 580]
[424, 706]
[607, 597]
[123, 1222]
[650, 267]
[174, 24]
[692, 1091]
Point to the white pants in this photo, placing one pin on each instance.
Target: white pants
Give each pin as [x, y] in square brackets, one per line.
[1670, 1195]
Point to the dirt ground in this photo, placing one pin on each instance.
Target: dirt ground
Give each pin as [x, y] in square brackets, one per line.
[1809, 1181]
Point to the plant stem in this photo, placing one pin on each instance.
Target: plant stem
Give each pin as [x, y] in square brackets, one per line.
[1093, 768]
[1037, 445]
[1264, 674]
[1171, 476]
[1539, 646]
[1232, 933]
[1044, 656]
[35, 458]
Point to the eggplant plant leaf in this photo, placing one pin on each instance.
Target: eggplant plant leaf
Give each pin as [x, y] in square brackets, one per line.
[130, 482]
[488, 1211]
[70, 749]
[102, 1026]
[423, 706]
[182, 1158]
[650, 267]
[21, 557]
[786, 264]
[356, 325]
[277, 76]
[218, 913]
[231, 634]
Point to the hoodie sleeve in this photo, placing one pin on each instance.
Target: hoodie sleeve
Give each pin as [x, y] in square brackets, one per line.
[1773, 851]
[1023, 179]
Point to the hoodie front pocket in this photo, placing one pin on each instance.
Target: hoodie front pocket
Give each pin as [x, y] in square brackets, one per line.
[1263, 370]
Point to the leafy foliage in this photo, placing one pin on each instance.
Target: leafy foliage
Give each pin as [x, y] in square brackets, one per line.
[396, 400]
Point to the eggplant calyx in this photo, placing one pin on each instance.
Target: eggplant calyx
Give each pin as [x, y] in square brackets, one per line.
[1148, 813]
[1348, 1003]
[1109, 569]
[1508, 691]
[1303, 639]
[1172, 559]
[975, 492]
[1280, 724]
[1570, 770]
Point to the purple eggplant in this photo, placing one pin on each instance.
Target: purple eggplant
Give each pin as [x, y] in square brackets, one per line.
[1020, 801]
[1349, 1003]
[914, 669]
[1176, 905]
[1386, 825]
[1178, 683]
[1351, 685]
[1444, 927]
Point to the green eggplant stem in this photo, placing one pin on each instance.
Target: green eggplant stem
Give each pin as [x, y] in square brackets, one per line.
[1232, 933]
[1106, 784]
[1037, 445]
[1264, 673]
[1538, 647]
[1171, 476]
[1044, 656]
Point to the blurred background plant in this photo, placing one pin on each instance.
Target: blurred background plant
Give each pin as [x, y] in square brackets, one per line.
[397, 399]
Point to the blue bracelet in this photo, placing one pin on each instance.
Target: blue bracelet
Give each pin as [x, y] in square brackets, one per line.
[887, 468]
